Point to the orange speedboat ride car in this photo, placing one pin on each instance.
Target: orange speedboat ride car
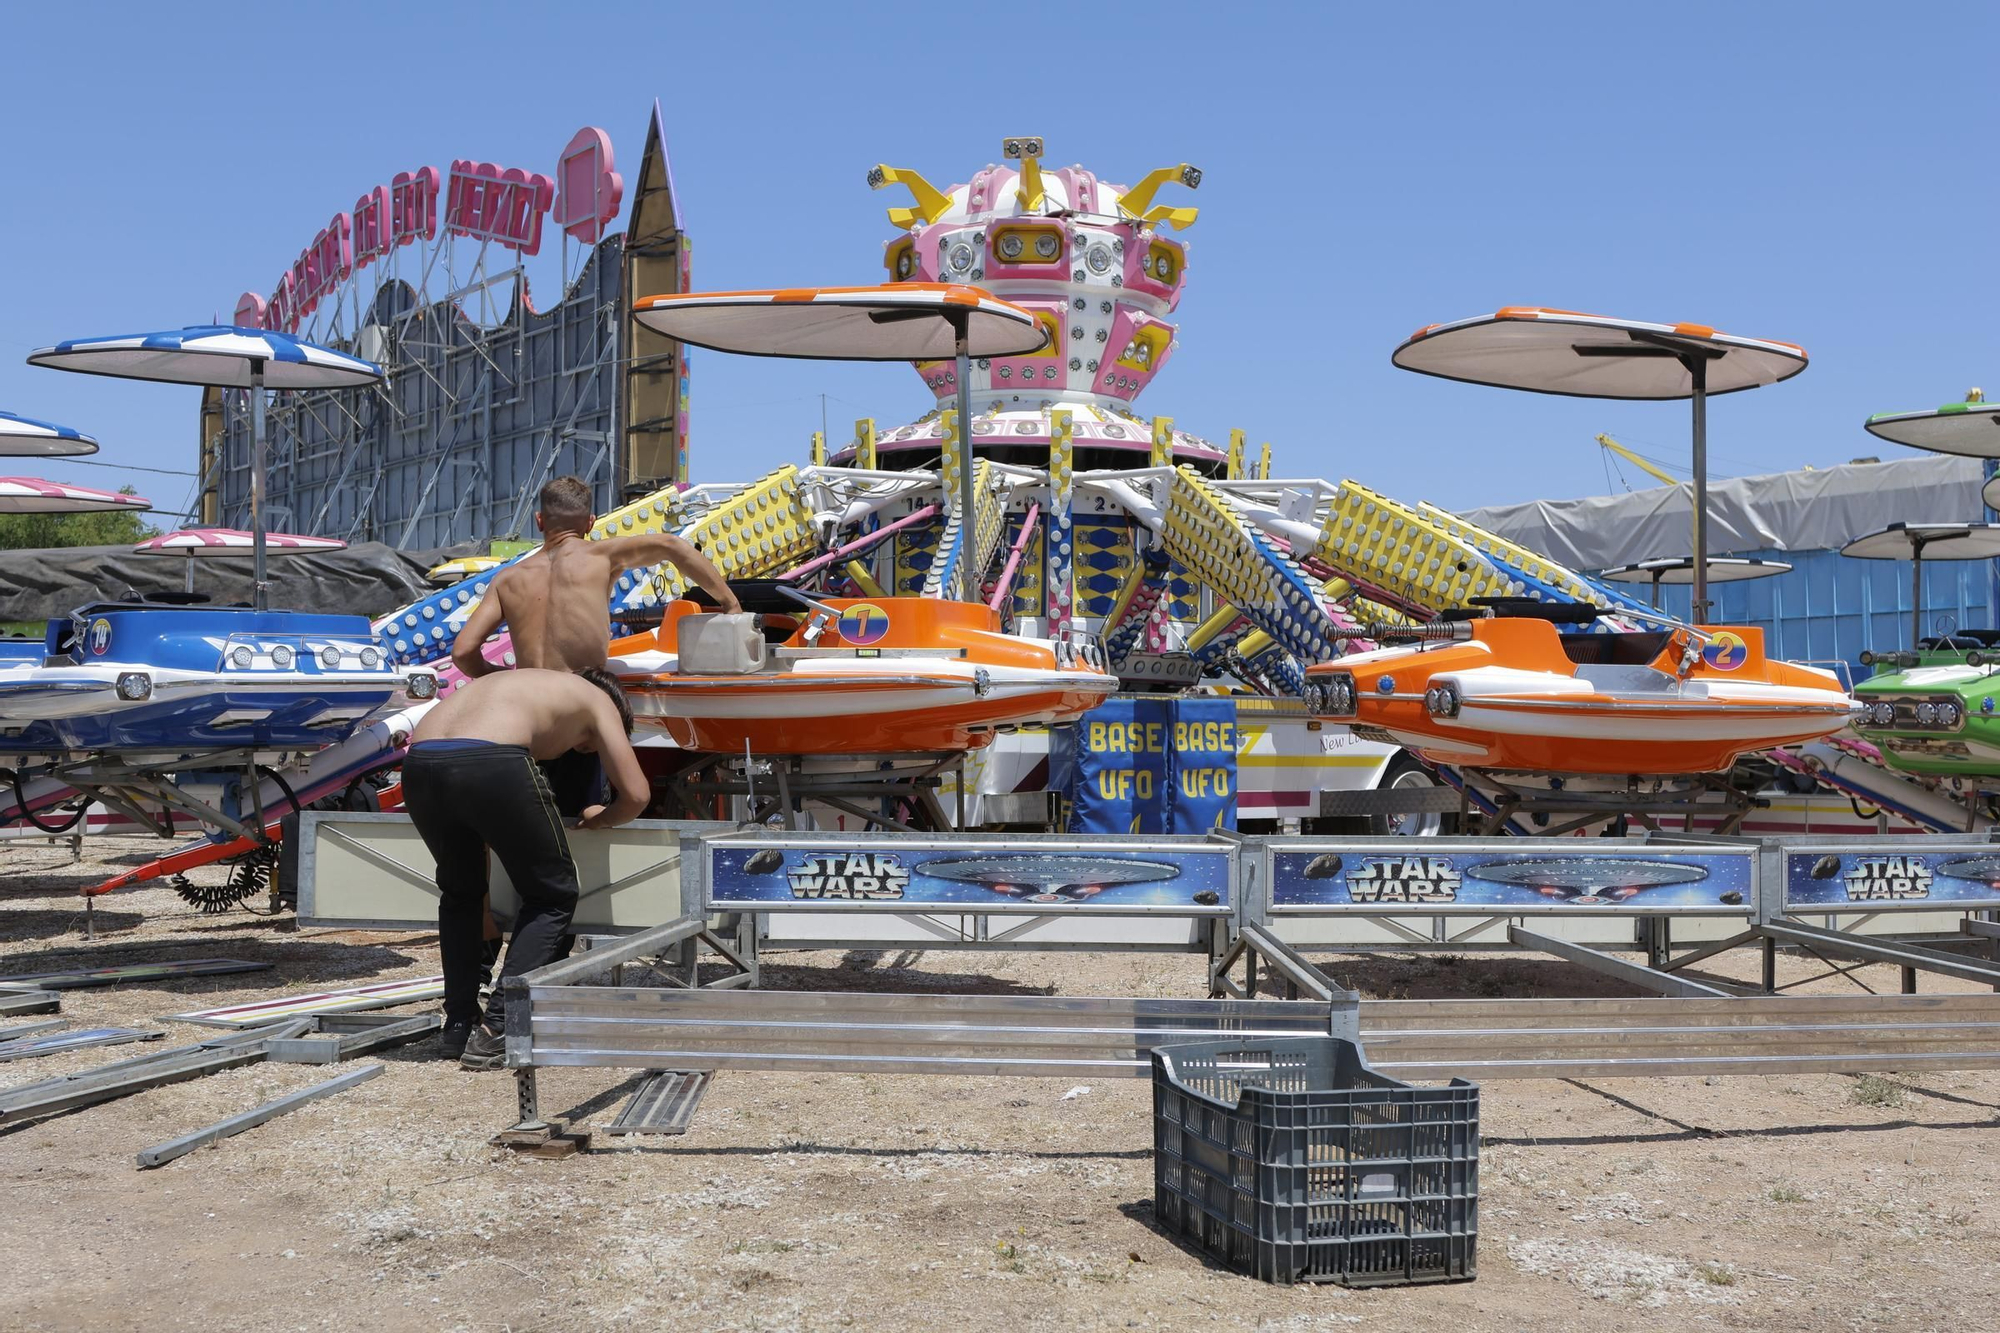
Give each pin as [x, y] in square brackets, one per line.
[1514, 693]
[845, 676]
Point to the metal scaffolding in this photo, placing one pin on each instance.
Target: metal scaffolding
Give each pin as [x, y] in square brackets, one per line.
[486, 396]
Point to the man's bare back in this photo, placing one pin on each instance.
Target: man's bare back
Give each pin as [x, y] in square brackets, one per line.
[545, 712]
[557, 602]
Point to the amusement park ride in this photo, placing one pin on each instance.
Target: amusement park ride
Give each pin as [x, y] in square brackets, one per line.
[950, 589]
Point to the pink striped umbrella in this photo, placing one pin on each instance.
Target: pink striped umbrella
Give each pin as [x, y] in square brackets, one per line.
[32, 495]
[228, 543]
[225, 542]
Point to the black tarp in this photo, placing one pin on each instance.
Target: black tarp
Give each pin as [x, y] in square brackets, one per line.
[368, 578]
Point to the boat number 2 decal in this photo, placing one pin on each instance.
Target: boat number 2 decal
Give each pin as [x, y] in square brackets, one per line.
[1726, 651]
[863, 624]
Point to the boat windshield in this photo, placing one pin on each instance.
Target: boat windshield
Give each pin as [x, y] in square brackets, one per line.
[1615, 649]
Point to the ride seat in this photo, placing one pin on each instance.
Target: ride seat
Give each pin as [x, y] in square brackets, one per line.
[1964, 641]
[1614, 649]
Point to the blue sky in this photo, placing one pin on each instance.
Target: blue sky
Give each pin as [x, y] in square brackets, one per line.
[1820, 173]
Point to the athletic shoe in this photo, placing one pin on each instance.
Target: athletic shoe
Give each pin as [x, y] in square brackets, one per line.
[451, 1040]
[483, 1050]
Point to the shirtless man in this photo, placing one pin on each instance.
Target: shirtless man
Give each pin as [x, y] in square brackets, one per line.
[470, 783]
[556, 603]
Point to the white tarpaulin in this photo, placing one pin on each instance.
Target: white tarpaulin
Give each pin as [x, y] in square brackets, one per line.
[1809, 510]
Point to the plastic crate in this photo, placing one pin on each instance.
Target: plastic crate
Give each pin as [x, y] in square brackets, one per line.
[1291, 1160]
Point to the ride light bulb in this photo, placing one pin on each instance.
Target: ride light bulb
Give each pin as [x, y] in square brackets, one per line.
[422, 685]
[240, 655]
[281, 656]
[134, 686]
[1926, 714]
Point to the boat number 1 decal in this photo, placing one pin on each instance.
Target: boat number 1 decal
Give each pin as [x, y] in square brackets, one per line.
[100, 637]
[863, 623]
[1726, 651]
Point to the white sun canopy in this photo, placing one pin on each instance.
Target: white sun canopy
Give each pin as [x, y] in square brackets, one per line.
[904, 322]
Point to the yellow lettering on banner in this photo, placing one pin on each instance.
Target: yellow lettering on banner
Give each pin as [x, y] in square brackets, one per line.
[1097, 730]
[1155, 738]
[1205, 782]
[1143, 783]
[1204, 736]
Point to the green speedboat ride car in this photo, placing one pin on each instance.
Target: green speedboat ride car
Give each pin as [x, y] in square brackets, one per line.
[1935, 710]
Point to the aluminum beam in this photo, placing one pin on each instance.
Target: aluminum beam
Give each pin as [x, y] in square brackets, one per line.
[162, 1153]
[1841, 944]
[1050, 1036]
[1610, 965]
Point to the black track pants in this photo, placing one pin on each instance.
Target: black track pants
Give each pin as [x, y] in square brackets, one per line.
[464, 800]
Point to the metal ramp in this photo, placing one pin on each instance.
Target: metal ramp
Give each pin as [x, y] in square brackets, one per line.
[664, 1104]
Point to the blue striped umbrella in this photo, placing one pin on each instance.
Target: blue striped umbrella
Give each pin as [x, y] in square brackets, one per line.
[212, 354]
[219, 356]
[23, 436]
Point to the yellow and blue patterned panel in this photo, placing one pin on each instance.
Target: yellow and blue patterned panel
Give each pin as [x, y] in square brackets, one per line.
[1103, 563]
[1060, 543]
[1246, 568]
[916, 551]
[1374, 540]
[988, 527]
[1183, 594]
[1574, 587]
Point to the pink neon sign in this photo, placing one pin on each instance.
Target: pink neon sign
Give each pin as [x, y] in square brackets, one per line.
[590, 189]
[489, 203]
[482, 201]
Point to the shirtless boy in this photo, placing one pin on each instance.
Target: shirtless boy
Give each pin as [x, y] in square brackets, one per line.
[470, 783]
[557, 601]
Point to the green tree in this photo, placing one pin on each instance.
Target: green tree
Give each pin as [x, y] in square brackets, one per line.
[35, 532]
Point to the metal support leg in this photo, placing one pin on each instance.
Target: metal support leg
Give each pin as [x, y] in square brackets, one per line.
[1770, 966]
[528, 1101]
[1909, 981]
[1659, 942]
[90, 918]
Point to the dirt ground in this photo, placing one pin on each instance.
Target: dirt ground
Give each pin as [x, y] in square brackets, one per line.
[824, 1201]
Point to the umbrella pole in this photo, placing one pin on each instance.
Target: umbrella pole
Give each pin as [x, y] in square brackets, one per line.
[187, 565]
[258, 597]
[1698, 371]
[1656, 588]
[961, 336]
[1916, 593]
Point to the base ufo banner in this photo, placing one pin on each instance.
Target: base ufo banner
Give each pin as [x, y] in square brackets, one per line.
[1883, 877]
[1645, 880]
[1184, 877]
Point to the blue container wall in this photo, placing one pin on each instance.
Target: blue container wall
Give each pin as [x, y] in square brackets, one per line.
[1830, 608]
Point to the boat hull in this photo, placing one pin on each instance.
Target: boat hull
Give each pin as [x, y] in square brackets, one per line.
[1519, 703]
[917, 676]
[181, 679]
[1967, 746]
